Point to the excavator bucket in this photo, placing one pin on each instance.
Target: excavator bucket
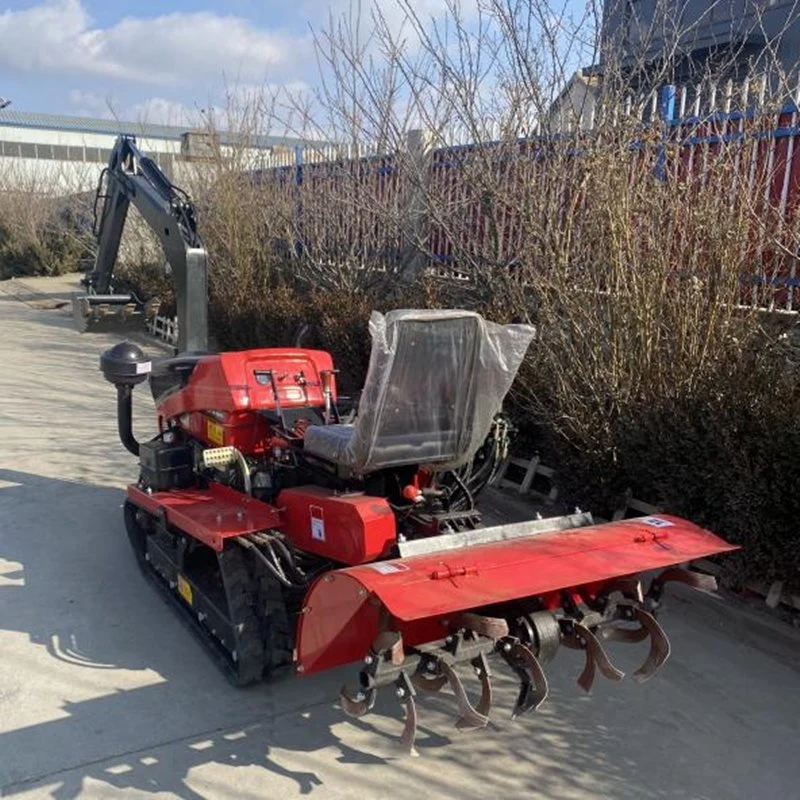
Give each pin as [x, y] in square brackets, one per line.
[110, 312]
[517, 591]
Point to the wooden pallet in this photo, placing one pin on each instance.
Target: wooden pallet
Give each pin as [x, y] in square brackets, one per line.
[529, 477]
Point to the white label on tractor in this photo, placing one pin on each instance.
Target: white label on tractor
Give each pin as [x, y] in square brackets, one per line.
[656, 522]
[317, 523]
[144, 366]
[385, 568]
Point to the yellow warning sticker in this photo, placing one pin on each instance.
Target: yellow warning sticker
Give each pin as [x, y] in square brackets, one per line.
[215, 432]
[184, 589]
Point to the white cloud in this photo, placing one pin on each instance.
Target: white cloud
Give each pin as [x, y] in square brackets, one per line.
[241, 104]
[176, 49]
[160, 111]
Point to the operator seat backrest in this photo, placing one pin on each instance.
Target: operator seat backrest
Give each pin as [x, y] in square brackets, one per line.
[436, 380]
[419, 400]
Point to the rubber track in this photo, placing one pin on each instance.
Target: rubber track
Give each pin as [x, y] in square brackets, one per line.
[277, 631]
[199, 632]
[239, 585]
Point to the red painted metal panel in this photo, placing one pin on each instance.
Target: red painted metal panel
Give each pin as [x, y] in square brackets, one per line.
[228, 382]
[346, 528]
[246, 431]
[340, 617]
[210, 515]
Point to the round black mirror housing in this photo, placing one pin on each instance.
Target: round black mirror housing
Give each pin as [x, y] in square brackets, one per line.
[125, 364]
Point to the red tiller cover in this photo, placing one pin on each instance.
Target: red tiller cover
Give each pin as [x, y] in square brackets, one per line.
[341, 610]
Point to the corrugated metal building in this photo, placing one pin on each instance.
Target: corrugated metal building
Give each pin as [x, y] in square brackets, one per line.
[55, 153]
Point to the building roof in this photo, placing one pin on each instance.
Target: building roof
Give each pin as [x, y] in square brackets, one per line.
[113, 127]
[584, 76]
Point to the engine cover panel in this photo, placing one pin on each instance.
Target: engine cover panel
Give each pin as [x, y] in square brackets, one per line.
[350, 529]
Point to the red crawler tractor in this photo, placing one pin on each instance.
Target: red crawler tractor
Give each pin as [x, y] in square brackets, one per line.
[292, 540]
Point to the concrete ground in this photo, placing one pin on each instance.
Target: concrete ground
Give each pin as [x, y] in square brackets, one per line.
[104, 694]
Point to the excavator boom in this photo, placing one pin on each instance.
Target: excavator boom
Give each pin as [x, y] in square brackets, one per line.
[133, 178]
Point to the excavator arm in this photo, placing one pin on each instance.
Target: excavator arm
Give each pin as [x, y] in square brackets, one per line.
[132, 177]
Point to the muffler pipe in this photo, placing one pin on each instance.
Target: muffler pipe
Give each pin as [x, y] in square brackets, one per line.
[125, 419]
[125, 365]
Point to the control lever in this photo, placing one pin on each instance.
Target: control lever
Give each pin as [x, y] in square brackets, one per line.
[326, 377]
[273, 383]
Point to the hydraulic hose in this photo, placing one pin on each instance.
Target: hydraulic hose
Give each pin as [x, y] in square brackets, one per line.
[282, 579]
[245, 470]
[463, 486]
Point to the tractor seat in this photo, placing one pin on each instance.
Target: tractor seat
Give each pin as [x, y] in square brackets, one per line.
[332, 443]
[329, 442]
[436, 380]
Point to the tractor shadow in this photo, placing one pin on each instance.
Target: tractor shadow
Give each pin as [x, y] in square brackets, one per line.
[134, 703]
[151, 707]
[69, 584]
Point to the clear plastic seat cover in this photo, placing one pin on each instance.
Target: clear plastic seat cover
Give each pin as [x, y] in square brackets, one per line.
[436, 379]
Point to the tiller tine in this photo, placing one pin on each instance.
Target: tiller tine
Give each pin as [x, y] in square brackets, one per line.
[387, 644]
[697, 580]
[470, 717]
[623, 612]
[492, 628]
[405, 693]
[579, 637]
[533, 682]
[659, 645]
[356, 704]
[481, 666]
[648, 626]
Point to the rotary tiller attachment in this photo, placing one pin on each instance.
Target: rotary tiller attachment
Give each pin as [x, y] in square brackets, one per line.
[428, 668]
[516, 591]
[524, 642]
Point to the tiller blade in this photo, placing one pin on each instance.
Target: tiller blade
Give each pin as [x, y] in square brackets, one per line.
[356, 704]
[405, 693]
[578, 637]
[648, 627]
[470, 717]
[416, 620]
[696, 580]
[533, 682]
[659, 645]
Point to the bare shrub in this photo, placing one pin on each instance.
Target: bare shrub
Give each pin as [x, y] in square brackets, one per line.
[652, 370]
[42, 231]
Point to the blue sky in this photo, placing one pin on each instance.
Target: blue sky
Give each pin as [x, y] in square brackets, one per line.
[158, 59]
[164, 60]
